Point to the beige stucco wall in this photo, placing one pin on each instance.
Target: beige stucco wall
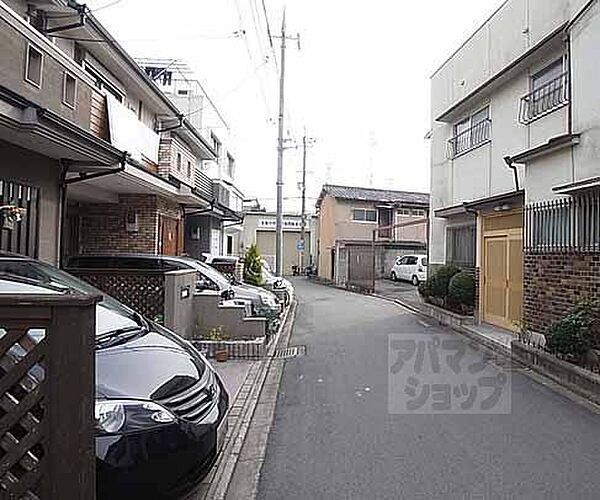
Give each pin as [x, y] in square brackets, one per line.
[335, 223]
[26, 167]
[14, 40]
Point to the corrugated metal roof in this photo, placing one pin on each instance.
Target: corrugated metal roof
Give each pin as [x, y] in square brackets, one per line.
[375, 195]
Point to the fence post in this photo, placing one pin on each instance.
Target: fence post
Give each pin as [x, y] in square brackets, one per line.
[47, 392]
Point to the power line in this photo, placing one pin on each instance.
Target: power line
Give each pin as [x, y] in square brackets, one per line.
[234, 89]
[86, 11]
[259, 80]
[235, 34]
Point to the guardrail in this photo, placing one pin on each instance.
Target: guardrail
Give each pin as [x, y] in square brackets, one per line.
[545, 99]
[471, 138]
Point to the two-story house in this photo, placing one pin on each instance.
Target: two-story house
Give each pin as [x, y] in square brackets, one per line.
[514, 163]
[350, 215]
[113, 187]
[218, 230]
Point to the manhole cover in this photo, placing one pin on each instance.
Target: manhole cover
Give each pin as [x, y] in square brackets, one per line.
[290, 352]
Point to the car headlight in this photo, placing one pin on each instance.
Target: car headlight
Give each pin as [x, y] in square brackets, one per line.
[113, 416]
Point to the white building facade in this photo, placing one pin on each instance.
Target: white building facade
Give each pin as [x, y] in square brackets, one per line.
[515, 135]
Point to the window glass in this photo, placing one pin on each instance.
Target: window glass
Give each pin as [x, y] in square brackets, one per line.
[411, 261]
[358, 214]
[548, 74]
[371, 215]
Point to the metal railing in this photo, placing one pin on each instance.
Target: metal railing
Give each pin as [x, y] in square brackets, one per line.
[203, 184]
[569, 224]
[545, 100]
[470, 139]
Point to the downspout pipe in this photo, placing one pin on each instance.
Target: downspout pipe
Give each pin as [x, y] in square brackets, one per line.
[509, 163]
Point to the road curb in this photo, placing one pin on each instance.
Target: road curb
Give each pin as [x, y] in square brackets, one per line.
[243, 410]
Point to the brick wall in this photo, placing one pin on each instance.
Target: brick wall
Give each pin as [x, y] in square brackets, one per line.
[164, 154]
[555, 282]
[103, 226]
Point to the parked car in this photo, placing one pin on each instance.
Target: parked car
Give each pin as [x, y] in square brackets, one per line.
[208, 277]
[160, 407]
[270, 279]
[411, 268]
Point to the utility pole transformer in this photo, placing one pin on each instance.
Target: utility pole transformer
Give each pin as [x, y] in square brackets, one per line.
[280, 149]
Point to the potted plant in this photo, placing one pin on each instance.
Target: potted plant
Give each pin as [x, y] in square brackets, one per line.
[216, 335]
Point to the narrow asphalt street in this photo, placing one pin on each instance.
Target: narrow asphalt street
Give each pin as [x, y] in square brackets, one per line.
[334, 437]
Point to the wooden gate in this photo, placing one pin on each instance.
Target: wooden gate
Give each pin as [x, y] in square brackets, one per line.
[360, 268]
[20, 237]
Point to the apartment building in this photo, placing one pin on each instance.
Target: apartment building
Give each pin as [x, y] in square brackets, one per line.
[217, 230]
[514, 162]
[124, 179]
[350, 215]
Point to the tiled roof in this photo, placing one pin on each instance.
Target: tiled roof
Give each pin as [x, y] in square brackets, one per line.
[376, 195]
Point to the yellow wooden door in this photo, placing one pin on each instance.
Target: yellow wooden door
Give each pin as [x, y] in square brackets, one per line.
[503, 279]
[495, 282]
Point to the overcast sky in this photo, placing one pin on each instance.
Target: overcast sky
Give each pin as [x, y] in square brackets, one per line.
[359, 84]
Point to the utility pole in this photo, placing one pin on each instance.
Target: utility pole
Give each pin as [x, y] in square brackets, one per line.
[280, 149]
[306, 142]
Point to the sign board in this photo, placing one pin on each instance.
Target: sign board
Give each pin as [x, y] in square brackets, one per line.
[300, 245]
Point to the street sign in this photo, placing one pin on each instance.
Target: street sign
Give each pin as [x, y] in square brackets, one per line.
[300, 245]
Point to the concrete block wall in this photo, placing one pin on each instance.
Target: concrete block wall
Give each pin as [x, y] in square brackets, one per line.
[553, 283]
[210, 314]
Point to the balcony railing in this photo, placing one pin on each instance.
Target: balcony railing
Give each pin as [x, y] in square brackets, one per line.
[472, 138]
[544, 100]
[203, 184]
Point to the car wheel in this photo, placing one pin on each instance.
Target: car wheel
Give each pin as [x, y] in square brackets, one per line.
[394, 277]
[415, 280]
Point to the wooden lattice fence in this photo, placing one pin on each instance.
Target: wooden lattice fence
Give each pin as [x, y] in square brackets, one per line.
[47, 397]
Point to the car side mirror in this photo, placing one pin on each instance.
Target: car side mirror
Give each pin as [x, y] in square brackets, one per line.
[202, 284]
[227, 294]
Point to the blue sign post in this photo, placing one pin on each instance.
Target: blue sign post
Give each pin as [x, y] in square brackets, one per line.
[300, 245]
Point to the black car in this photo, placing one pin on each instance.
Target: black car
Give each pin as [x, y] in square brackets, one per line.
[160, 406]
[262, 301]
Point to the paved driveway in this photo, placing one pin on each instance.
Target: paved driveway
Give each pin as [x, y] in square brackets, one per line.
[334, 437]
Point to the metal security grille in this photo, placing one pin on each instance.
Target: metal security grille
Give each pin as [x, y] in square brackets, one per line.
[471, 138]
[20, 237]
[563, 225]
[545, 99]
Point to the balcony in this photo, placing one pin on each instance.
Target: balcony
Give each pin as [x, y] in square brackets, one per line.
[545, 99]
[203, 184]
[478, 135]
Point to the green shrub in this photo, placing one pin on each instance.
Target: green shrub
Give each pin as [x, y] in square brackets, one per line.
[253, 266]
[440, 281]
[461, 289]
[575, 334]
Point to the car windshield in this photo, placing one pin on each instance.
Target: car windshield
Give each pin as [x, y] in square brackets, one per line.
[33, 277]
[210, 272]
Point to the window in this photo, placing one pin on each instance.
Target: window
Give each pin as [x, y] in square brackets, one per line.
[548, 92]
[189, 168]
[410, 212]
[461, 243]
[216, 143]
[471, 132]
[69, 90]
[34, 66]
[179, 162]
[364, 215]
[230, 165]
[182, 92]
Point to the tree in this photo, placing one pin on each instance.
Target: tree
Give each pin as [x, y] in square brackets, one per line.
[253, 266]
